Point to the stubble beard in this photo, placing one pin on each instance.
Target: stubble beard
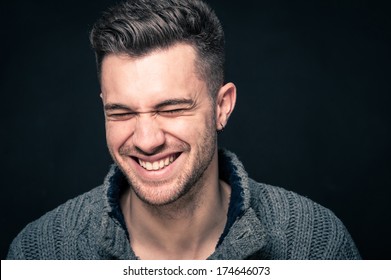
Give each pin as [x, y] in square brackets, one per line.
[188, 185]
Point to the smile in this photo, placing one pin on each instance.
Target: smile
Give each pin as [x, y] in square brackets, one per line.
[159, 164]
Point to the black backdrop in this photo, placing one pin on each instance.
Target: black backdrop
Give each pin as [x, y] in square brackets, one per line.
[312, 115]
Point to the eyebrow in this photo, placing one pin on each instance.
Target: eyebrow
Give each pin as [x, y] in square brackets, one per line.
[173, 102]
[115, 106]
[165, 103]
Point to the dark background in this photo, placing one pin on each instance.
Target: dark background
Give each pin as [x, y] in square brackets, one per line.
[312, 114]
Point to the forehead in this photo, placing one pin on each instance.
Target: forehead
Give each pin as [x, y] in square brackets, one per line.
[167, 73]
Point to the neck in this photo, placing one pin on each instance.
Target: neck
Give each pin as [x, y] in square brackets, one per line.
[182, 230]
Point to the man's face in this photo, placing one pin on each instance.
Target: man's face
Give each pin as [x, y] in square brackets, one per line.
[160, 122]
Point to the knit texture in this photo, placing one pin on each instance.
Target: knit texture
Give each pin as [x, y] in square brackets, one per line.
[264, 222]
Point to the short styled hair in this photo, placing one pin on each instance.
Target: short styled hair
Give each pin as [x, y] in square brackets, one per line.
[138, 27]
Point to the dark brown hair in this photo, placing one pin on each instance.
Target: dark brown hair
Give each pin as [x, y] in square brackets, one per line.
[138, 27]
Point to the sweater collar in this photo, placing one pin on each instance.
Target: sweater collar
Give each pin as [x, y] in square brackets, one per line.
[115, 239]
[246, 237]
[243, 234]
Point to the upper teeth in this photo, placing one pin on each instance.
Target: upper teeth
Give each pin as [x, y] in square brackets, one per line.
[156, 165]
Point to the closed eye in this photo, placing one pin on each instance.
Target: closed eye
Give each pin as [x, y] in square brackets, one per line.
[172, 113]
[120, 116]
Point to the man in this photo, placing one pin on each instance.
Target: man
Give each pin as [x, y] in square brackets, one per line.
[171, 194]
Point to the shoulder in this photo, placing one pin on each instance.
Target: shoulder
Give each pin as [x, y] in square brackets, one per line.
[52, 235]
[304, 228]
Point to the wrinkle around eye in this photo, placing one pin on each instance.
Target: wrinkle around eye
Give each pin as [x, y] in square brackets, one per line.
[172, 113]
[120, 116]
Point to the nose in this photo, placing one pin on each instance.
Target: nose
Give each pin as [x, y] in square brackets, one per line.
[148, 137]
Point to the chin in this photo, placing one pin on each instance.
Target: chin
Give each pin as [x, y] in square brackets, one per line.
[159, 193]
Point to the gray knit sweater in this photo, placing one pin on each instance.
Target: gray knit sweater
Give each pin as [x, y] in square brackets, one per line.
[264, 222]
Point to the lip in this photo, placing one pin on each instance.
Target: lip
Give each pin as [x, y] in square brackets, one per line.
[156, 175]
[156, 157]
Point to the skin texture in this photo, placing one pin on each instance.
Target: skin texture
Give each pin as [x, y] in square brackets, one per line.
[161, 127]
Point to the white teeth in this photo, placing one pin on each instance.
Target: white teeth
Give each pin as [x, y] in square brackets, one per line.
[148, 166]
[156, 165]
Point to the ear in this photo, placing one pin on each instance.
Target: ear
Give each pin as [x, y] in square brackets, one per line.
[225, 103]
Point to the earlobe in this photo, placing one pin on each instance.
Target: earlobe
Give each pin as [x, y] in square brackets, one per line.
[221, 128]
[226, 99]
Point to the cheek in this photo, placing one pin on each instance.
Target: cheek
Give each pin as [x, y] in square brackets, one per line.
[117, 133]
[189, 129]
[178, 126]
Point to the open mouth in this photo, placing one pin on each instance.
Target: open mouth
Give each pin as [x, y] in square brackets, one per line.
[158, 164]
